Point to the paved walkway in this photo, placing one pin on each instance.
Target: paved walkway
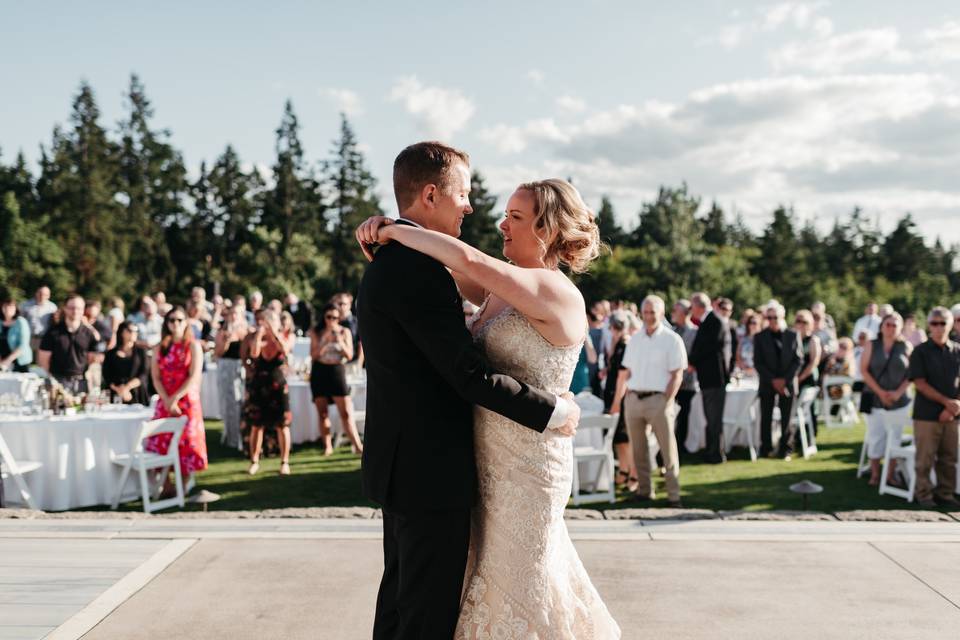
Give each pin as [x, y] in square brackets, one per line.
[243, 579]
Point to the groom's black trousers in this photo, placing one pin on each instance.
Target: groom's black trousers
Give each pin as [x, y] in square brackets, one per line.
[424, 557]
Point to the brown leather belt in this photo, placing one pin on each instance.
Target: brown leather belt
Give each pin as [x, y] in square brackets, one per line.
[646, 394]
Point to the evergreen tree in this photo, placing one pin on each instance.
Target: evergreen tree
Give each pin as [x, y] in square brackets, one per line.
[904, 254]
[610, 231]
[77, 189]
[479, 229]
[670, 221]
[781, 262]
[229, 212]
[153, 184]
[351, 200]
[28, 256]
[294, 202]
[715, 230]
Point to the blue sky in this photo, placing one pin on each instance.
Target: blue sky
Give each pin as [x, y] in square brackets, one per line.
[820, 105]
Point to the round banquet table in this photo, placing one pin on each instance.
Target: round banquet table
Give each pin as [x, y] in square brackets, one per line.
[210, 393]
[739, 399]
[75, 452]
[306, 426]
[24, 385]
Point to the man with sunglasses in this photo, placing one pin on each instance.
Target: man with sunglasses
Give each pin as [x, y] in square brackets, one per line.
[935, 370]
[778, 357]
[68, 348]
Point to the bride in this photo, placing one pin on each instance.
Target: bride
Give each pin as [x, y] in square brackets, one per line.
[524, 578]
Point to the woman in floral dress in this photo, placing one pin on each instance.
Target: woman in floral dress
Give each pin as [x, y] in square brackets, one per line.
[267, 404]
[176, 369]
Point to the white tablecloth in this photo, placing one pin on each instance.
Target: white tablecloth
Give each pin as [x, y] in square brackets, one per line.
[306, 425]
[210, 393]
[75, 452]
[301, 349]
[24, 385]
[738, 400]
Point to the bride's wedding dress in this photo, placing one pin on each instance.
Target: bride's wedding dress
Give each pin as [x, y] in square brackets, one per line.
[524, 578]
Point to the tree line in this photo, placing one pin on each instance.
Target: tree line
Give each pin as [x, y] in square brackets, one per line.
[112, 211]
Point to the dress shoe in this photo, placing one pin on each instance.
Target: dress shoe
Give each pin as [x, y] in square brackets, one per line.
[927, 503]
[675, 504]
[953, 503]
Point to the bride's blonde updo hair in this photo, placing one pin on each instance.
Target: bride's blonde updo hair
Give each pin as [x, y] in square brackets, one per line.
[571, 236]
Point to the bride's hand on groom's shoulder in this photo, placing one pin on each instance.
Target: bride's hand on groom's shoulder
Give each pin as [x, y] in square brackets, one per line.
[370, 233]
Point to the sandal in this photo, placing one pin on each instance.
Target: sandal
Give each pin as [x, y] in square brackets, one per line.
[622, 477]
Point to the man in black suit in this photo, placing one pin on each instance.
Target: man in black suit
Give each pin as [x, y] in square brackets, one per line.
[424, 374]
[710, 356]
[778, 357]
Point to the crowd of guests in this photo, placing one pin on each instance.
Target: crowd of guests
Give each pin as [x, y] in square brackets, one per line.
[649, 370]
[161, 349]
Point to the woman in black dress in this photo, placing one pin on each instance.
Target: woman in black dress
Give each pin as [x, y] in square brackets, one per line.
[125, 368]
[626, 472]
[331, 345]
[267, 404]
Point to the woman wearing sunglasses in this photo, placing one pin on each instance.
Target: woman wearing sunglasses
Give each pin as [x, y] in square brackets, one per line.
[176, 370]
[331, 345]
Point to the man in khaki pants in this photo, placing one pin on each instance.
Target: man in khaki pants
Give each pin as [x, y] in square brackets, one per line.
[650, 376]
[935, 370]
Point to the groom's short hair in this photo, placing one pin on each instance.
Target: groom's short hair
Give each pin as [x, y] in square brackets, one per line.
[421, 164]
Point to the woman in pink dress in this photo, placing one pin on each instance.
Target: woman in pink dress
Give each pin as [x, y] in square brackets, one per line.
[176, 369]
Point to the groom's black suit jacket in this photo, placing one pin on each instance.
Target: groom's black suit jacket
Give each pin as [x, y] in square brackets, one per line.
[424, 374]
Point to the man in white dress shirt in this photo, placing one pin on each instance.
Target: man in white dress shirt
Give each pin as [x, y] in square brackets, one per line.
[650, 376]
[869, 323]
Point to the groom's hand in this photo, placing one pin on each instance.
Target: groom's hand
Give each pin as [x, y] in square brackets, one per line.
[569, 428]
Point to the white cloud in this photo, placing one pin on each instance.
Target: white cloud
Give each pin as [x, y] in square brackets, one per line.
[536, 77]
[834, 53]
[943, 42]
[800, 15]
[887, 142]
[439, 112]
[572, 104]
[346, 100]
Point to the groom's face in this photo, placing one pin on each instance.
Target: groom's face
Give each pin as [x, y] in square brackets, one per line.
[452, 202]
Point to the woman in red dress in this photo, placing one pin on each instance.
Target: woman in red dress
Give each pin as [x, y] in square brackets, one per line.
[176, 369]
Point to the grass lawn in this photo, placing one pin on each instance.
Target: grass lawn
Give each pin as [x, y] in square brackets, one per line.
[317, 481]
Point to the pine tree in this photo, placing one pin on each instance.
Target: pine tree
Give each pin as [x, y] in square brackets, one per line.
[351, 200]
[294, 202]
[479, 229]
[715, 229]
[610, 231]
[153, 183]
[77, 189]
[28, 256]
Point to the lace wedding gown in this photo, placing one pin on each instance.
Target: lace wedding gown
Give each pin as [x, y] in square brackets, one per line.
[524, 578]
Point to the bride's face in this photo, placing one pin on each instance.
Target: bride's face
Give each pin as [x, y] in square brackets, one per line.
[520, 244]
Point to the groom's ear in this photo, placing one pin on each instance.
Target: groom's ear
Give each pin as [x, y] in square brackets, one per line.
[429, 195]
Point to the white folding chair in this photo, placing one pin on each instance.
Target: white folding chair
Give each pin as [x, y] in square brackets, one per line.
[744, 422]
[603, 455]
[808, 441]
[906, 452]
[13, 468]
[148, 460]
[589, 404]
[846, 409]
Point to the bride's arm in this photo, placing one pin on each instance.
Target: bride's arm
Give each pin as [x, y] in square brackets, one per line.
[536, 293]
[469, 289]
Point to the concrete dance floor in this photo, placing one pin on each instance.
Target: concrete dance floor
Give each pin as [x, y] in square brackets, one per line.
[293, 579]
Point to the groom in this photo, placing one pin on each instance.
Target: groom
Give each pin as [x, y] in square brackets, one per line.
[424, 374]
